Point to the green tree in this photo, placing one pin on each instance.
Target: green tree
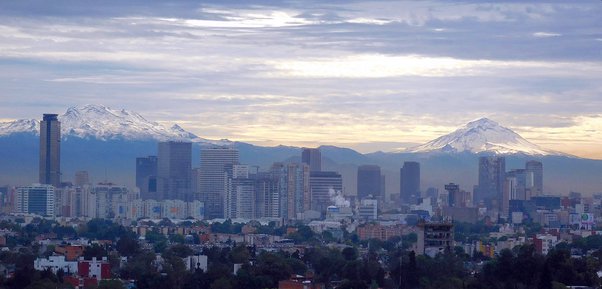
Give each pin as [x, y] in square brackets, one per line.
[94, 251]
[128, 245]
[349, 253]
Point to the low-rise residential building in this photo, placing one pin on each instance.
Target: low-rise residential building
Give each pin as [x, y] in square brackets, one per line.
[378, 231]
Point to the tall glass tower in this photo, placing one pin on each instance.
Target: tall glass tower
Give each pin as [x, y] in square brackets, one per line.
[50, 150]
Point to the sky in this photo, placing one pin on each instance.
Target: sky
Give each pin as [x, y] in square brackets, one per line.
[369, 75]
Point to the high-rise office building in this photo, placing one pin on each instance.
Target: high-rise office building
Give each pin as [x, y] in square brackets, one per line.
[146, 177]
[35, 199]
[298, 189]
[212, 178]
[267, 197]
[81, 178]
[409, 182]
[522, 184]
[239, 199]
[492, 174]
[174, 171]
[321, 185]
[313, 158]
[369, 181]
[50, 150]
[537, 169]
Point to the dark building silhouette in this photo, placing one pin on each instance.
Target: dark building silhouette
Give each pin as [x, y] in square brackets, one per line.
[537, 169]
[313, 158]
[492, 174]
[174, 171]
[409, 182]
[50, 150]
[368, 181]
[146, 176]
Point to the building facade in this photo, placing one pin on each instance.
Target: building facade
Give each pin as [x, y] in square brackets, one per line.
[409, 184]
[369, 181]
[492, 173]
[35, 199]
[536, 168]
[50, 150]
[146, 176]
[313, 158]
[212, 178]
[174, 171]
[322, 186]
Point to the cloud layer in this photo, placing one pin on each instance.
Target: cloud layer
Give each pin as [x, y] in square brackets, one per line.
[366, 74]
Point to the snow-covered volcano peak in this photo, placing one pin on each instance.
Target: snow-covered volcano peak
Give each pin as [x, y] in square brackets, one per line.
[482, 135]
[483, 123]
[101, 122]
[104, 123]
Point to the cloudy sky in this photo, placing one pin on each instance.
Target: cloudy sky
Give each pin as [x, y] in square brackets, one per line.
[371, 75]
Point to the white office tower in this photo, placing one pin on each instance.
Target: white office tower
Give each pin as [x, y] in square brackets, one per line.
[35, 199]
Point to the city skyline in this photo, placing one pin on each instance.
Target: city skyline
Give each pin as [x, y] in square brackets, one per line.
[274, 73]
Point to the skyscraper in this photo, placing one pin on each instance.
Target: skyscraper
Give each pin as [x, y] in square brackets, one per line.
[239, 200]
[50, 150]
[409, 182]
[174, 171]
[146, 173]
[212, 178]
[537, 169]
[321, 184]
[368, 181]
[519, 183]
[492, 174]
[267, 197]
[298, 189]
[313, 158]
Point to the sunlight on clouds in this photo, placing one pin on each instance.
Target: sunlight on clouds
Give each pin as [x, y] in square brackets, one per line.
[243, 19]
[378, 65]
[546, 34]
[375, 65]
[369, 21]
[581, 139]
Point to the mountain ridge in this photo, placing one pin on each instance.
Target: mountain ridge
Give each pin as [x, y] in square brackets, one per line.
[105, 123]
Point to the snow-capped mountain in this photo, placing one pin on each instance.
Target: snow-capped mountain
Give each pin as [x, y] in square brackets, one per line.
[19, 126]
[104, 123]
[483, 135]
